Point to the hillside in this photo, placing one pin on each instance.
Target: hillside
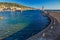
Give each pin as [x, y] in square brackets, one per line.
[14, 5]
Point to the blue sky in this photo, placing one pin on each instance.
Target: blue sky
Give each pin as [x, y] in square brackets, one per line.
[48, 4]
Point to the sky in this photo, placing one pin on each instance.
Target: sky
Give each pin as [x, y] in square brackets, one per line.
[48, 4]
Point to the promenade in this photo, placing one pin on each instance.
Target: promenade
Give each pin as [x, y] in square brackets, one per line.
[53, 30]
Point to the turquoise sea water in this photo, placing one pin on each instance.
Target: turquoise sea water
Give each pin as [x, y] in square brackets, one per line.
[20, 26]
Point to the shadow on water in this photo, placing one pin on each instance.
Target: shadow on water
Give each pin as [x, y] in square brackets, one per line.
[37, 24]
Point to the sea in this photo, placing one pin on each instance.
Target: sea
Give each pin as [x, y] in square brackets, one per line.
[53, 10]
[22, 25]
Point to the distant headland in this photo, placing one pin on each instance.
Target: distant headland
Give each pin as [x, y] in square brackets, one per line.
[5, 6]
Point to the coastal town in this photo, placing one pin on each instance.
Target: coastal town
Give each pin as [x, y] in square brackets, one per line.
[5, 8]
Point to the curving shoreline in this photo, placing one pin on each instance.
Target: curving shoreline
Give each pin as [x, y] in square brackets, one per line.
[42, 33]
[35, 37]
[52, 31]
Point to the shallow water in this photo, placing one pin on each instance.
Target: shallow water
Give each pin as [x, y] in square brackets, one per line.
[23, 25]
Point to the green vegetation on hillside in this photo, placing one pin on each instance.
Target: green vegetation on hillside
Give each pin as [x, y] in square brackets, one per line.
[14, 5]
